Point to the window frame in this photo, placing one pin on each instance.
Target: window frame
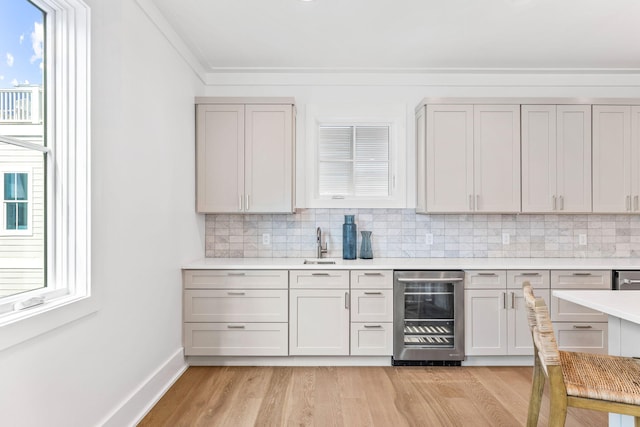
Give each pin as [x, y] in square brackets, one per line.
[393, 116]
[68, 295]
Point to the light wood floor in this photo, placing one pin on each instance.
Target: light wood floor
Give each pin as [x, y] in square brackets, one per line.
[354, 396]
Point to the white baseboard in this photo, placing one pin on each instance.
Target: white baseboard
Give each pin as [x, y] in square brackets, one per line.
[289, 361]
[139, 403]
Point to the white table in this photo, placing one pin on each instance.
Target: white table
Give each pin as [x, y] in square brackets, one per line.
[623, 308]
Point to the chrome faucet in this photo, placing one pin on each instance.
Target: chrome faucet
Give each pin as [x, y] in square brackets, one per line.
[320, 249]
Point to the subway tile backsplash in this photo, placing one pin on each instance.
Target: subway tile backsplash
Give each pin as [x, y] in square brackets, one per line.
[400, 233]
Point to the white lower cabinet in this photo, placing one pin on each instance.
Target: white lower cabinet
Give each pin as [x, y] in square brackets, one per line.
[495, 316]
[235, 313]
[319, 322]
[578, 328]
[372, 339]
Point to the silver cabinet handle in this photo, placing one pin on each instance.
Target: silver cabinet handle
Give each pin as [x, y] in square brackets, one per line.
[470, 202]
[553, 198]
[373, 293]
[561, 202]
[240, 202]
[235, 274]
[582, 327]
[236, 293]
[627, 203]
[513, 300]
[581, 274]
[346, 300]
[504, 300]
[247, 204]
[477, 202]
[235, 326]
[373, 274]
[636, 204]
[373, 326]
[530, 274]
[319, 274]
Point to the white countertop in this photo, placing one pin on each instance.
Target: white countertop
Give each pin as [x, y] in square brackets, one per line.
[622, 304]
[420, 264]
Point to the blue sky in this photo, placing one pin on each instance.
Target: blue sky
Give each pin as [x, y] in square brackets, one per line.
[21, 43]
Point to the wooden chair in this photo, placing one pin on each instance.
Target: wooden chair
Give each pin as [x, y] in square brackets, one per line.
[582, 380]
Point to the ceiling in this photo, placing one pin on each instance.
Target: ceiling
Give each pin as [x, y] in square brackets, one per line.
[408, 35]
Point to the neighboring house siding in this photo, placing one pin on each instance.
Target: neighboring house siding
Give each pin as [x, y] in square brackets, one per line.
[22, 256]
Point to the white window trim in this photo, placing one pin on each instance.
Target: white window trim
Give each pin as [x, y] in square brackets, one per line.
[4, 232]
[393, 116]
[68, 128]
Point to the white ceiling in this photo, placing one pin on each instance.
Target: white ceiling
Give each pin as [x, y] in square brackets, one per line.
[408, 35]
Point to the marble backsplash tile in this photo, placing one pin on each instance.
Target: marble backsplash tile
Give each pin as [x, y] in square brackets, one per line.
[399, 233]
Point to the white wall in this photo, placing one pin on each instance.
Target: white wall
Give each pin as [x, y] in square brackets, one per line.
[144, 227]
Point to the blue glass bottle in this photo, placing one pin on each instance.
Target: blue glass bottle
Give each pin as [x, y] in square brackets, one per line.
[349, 237]
[365, 248]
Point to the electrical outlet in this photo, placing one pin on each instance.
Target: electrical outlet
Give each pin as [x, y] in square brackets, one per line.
[506, 238]
[582, 239]
[266, 239]
[428, 238]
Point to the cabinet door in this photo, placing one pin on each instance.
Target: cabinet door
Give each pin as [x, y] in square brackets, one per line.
[519, 338]
[574, 158]
[496, 153]
[421, 161]
[268, 158]
[319, 322]
[485, 320]
[220, 158]
[611, 158]
[449, 158]
[635, 157]
[538, 158]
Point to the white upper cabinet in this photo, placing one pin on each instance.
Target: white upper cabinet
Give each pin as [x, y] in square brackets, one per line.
[556, 158]
[613, 161]
[472, 158]
[244, 158]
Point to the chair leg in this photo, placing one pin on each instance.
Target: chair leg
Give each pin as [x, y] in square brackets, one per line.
[637, 421]
[558, 402]
[537, 389]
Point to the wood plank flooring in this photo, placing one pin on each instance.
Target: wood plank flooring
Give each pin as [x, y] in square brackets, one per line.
[354, 396]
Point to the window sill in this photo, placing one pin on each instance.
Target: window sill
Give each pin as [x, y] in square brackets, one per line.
[24, 325]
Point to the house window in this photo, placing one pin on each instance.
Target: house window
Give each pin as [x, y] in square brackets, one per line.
[355, 156]
[16, 201]
[354, 162]
[44, 167]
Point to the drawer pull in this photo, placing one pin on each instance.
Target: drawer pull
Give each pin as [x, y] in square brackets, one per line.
[373, 293]
[373, 326]
[582, 327]
[235, 293]
[235, 326]
[487, 274]
[346, 300]
[319, 274]
[582, 274]
[373, 274]
[235, 274]
[530, 274]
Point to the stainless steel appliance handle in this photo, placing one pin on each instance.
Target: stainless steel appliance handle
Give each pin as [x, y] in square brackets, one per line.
[429, 280]
[630, 282]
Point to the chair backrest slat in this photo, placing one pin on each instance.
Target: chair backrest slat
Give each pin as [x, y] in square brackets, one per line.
[541, 328]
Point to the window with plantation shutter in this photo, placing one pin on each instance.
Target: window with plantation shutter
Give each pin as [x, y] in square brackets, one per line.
[354, 161]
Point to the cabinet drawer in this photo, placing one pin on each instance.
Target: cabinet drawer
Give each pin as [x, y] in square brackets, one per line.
[581, 279]
[539, 279]
[252, 305]
[375, 305]
[565, 311]
[485, 279]
[319, 279]
[585, 337]
[235, 279]
[372, 279]
[235, 339]
[372, 339]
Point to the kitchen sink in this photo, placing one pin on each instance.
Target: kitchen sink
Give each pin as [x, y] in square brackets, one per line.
[319, 261]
